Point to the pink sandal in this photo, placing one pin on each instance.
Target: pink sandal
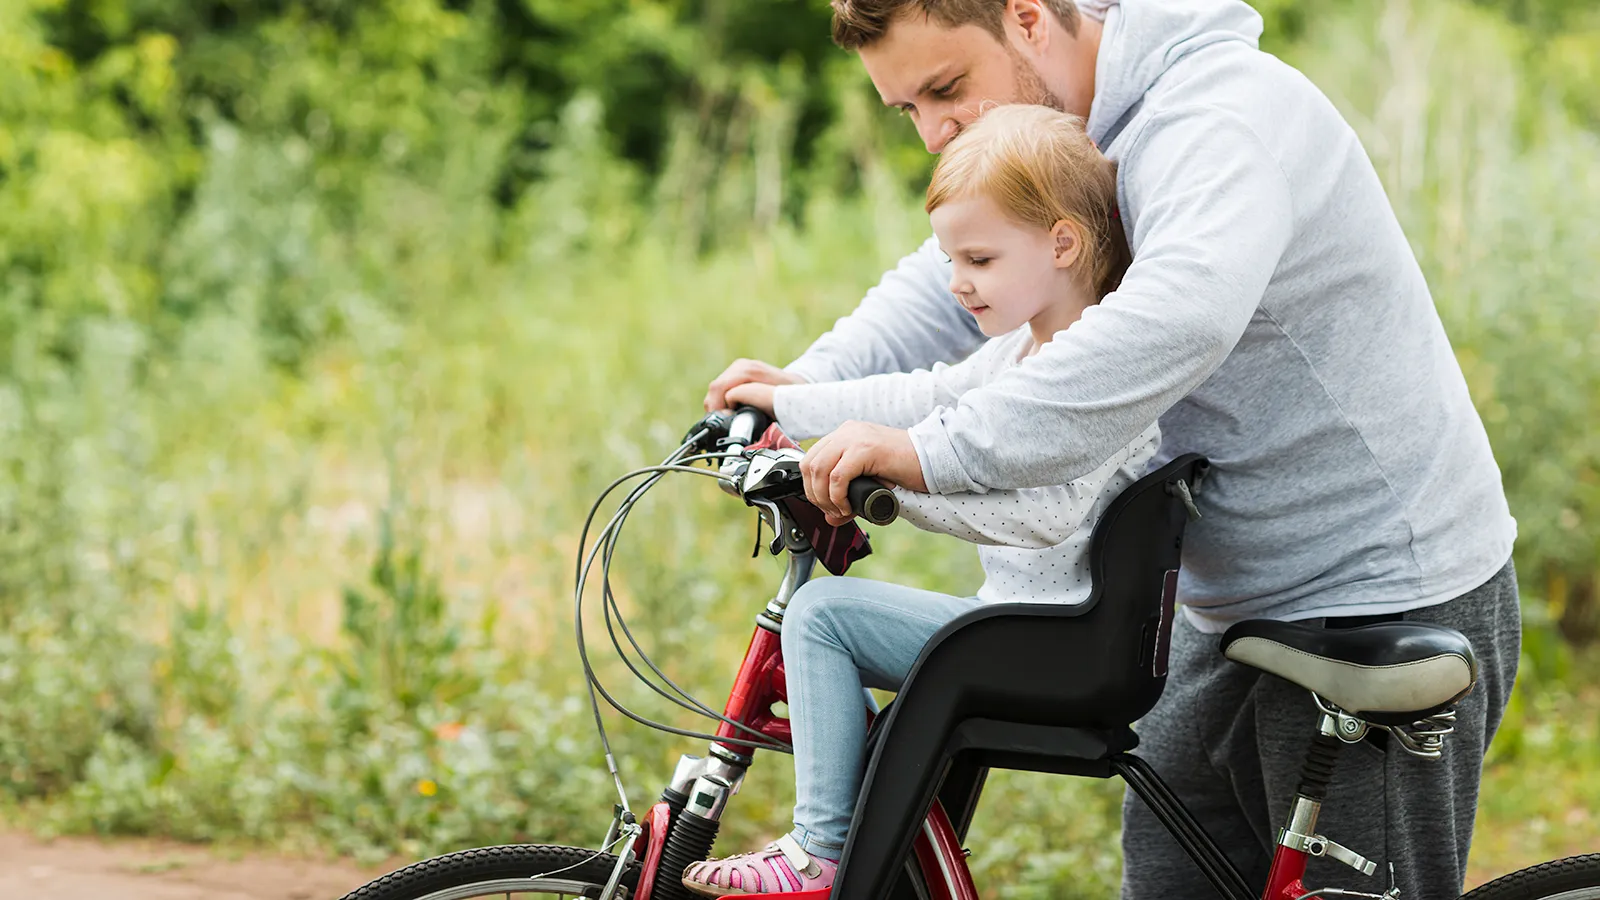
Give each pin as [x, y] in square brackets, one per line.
[782, 867]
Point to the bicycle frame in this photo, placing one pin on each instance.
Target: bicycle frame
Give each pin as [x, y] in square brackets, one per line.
[1284, 879]
[759, 685]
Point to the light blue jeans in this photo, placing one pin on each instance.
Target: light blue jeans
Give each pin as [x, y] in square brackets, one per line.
[840, 636]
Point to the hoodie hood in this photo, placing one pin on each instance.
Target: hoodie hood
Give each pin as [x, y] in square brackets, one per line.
[1144, 38]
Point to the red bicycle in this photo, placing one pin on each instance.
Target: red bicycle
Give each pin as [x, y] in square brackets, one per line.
[990, 690]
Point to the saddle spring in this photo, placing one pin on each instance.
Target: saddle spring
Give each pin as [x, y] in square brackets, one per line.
[1423, 738]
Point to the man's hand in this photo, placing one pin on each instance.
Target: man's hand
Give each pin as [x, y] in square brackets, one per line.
[853, 450]
[745, 371]
[751, 394]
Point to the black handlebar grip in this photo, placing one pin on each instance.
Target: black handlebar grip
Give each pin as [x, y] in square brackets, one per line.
[870, 500]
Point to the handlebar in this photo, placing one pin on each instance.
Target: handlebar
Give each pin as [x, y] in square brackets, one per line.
[746, 427]
[869, 498]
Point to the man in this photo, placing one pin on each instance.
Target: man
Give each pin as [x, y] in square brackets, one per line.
[1275, 320]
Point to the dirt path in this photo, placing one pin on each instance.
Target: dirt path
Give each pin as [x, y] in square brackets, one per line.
[88, 869]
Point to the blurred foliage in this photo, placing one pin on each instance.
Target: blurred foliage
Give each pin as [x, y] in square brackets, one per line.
[321, 324]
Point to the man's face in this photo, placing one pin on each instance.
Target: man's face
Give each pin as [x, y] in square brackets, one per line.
[944, 78]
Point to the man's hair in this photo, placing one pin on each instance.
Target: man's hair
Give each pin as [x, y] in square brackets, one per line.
[857, 23]
[1039, 166]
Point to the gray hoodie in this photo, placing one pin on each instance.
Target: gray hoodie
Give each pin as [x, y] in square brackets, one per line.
[1274, 319]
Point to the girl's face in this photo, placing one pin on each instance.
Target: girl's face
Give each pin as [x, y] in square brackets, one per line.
[1005, 273]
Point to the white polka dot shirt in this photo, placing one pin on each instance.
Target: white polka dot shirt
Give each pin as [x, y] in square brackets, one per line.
[1033, 542]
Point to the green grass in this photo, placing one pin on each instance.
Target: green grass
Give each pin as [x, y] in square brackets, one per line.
[1541, 792]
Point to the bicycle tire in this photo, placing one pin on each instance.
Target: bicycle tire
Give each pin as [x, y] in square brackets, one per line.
[499, 871]
[1573, 878]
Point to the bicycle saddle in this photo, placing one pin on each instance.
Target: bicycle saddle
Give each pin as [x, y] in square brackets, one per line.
[1391, 673]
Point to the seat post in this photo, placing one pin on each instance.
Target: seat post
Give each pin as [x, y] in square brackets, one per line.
[1300, 836]
[1314, 779]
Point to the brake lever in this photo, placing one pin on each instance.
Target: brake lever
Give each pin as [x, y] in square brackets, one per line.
[784, 532]
[773, 474]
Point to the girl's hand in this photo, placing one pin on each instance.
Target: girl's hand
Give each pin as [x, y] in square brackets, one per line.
[745, 371]
[751, 394]
[853, 450]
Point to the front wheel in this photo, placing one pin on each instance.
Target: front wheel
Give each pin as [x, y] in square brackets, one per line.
[1573, 878]
[520, 870]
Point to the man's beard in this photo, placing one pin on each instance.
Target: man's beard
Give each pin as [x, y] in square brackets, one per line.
[1030, 84]
[1030, 87]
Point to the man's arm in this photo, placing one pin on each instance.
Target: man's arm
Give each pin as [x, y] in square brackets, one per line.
[908, 321]
[1213, 216]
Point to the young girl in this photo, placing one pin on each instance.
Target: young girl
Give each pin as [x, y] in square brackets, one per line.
[1025, 207]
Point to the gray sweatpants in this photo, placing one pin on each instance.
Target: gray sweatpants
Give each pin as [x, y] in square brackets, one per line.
[1230, 740]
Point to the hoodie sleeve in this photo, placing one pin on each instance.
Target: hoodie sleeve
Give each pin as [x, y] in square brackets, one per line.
[1211, 216]
[908, 321]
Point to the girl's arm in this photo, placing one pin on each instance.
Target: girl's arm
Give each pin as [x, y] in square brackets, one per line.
[897, 400]
[1031, 518]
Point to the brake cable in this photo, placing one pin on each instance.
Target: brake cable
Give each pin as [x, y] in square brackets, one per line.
[606, 541]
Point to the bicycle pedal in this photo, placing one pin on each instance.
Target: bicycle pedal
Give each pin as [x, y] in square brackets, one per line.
[819, 894]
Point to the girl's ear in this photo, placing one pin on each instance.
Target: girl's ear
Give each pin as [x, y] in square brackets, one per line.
[1069, 242]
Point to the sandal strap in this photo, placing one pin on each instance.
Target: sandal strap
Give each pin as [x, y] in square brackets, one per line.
[798, 858]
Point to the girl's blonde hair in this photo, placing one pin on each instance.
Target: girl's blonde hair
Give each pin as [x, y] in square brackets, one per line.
[1040, 167]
